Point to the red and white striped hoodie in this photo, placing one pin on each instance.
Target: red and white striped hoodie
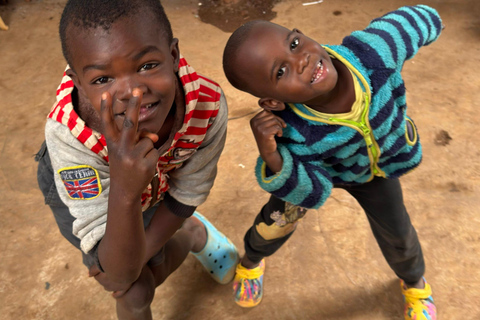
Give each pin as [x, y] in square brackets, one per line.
[187, 169]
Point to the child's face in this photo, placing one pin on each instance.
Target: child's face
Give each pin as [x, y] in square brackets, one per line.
[133, 53]
[285, 65]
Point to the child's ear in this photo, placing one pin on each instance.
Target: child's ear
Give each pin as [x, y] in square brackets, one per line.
[175, 51]
[75, 80]
[271, 104]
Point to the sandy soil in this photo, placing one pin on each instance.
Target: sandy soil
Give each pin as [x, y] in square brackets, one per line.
[331, 268]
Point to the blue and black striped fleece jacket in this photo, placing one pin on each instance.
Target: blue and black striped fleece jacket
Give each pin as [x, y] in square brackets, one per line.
[321, 152]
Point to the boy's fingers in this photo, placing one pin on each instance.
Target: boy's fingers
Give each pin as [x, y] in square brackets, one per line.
[106, 115]
[267, 115]
[145, 134]
[282, 122]
[93, 271]
[130, 123]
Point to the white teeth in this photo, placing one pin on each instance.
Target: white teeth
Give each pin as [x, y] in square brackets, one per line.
[318, 72]
[148, 106]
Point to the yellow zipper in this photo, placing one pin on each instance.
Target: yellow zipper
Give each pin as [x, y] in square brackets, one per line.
[372, 147]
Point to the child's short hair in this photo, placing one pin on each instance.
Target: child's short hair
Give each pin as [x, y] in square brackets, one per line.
[91, 14]
[235, 41]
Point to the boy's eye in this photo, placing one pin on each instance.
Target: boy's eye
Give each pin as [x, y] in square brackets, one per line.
[280, 72]
[148, 66]
[294, 43]
[101, 80]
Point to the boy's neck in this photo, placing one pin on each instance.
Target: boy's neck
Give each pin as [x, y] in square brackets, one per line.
[342, 97]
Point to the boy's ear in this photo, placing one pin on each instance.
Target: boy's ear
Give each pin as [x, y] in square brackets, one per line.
[75, 80]
[271, 104]
[175, 51]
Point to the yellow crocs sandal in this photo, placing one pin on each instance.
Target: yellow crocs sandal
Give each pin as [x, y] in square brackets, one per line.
[419, 303]
[248, 285]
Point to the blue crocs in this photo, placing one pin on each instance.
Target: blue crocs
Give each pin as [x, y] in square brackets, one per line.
[219, 256]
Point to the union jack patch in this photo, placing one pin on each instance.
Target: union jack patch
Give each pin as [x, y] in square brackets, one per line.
[81, 182]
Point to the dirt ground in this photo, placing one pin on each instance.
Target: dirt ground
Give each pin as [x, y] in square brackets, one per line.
[331, 268]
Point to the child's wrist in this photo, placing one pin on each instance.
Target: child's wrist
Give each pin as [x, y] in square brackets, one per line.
[274, 161]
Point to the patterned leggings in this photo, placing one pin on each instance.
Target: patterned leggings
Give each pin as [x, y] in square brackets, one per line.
[382, 201]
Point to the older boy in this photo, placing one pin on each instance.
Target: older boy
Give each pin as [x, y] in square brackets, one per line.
[133, 143]
[344, 125]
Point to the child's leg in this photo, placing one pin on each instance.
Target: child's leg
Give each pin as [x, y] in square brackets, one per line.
[135, 302]
[382, 201]
[272, 227]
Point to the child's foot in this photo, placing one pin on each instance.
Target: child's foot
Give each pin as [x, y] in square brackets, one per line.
[218, 256]
[419, 303]
[248, 285]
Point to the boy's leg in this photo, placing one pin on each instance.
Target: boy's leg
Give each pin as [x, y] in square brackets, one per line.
[382, 201]
[273, 226]
[135, 302]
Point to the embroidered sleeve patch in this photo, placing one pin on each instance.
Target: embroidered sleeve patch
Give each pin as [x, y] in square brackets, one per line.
[81, 182]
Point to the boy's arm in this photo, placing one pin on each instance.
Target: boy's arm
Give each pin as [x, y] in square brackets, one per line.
[132, 159]
[189, 185]
[302, 182]
[396, 36]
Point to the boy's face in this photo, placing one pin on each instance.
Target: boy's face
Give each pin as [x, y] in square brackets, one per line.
[285, 65]
[133, 53]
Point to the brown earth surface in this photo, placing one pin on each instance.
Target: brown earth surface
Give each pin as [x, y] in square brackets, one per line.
[331, 268]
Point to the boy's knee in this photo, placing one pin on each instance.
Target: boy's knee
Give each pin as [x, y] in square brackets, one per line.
[141, 293]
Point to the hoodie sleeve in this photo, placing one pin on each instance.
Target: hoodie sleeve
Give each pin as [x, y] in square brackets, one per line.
[392, 39]
[303, 183]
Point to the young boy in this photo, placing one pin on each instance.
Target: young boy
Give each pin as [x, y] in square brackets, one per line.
[133, 144]
[343, 125]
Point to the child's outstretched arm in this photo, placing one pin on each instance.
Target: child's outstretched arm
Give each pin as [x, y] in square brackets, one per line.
[396, 36]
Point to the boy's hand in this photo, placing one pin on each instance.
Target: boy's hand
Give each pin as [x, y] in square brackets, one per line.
[265, 126]
[132, 155]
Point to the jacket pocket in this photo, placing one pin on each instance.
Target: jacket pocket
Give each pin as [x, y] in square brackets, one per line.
[410, 132]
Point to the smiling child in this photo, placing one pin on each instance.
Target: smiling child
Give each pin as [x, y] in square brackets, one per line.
[132, 145]
[334, 117]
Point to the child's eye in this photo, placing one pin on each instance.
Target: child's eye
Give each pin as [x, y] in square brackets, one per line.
[101, 80]
[294, 43]
[280, 72]
[148, 66]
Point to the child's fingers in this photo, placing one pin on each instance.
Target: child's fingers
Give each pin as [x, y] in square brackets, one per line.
[145, 134]
[93, 271]
[130, 123]
[267, 116]
[106, 114]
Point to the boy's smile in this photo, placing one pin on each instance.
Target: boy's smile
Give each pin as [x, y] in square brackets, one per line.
[285, 65]
[131, 54]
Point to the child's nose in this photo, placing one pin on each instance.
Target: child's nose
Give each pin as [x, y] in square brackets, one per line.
[303, 62]
[124, 89]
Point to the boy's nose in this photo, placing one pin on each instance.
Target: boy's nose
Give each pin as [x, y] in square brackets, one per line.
[124, 89]
[303, 62]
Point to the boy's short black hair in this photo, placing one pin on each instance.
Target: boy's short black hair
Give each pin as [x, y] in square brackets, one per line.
[234, 43]
[91, 14]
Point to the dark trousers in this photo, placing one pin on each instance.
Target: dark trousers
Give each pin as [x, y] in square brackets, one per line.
[382, 201]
